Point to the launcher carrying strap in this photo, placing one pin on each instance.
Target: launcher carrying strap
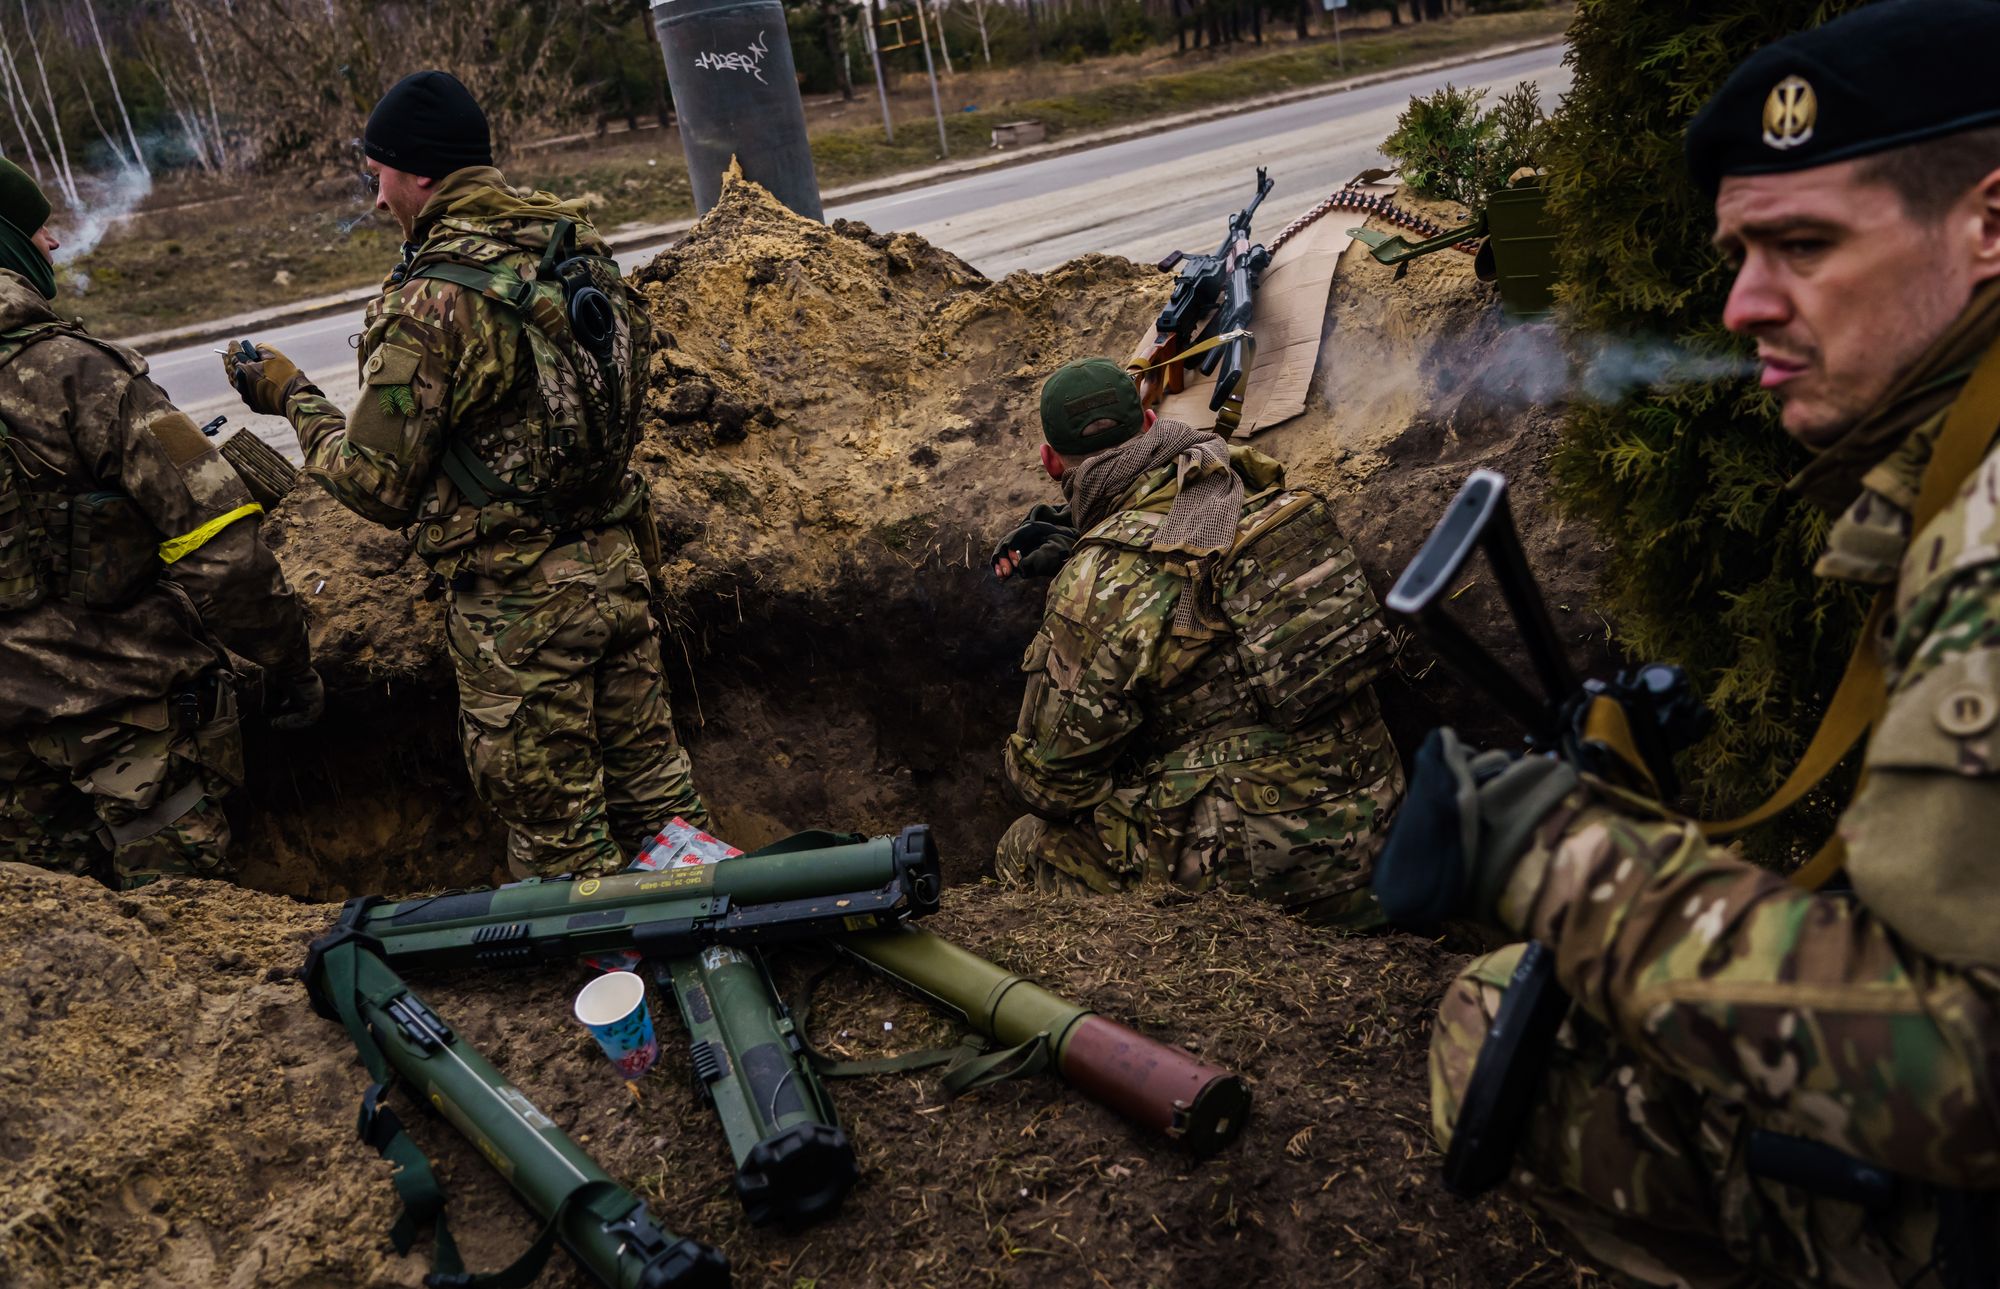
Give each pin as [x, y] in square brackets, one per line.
[336, 959]
[970, 1066]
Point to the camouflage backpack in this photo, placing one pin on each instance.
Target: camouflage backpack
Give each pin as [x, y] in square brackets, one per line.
[589, 340]
[1309, 633]
[1306, 631]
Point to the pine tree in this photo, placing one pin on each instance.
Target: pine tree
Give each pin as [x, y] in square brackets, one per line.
[1711, 556]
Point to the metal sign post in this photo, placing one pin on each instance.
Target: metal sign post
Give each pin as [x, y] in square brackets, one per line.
[881, 85]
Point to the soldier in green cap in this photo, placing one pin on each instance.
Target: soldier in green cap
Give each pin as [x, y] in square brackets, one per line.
[1198, 708]
[503, 374]
[130, 568]
[1761, 1081]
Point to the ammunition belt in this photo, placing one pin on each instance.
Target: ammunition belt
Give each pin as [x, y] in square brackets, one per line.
[1367, 204]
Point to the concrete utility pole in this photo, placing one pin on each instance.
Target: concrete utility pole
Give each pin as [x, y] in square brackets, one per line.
[729, 63]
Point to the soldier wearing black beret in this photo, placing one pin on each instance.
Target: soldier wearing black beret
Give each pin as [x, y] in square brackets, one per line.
[1760, 1080]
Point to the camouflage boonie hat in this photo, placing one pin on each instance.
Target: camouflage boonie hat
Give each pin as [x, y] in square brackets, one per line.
[1090, 405]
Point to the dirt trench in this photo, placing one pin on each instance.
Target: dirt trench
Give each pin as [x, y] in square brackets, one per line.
[841, 423]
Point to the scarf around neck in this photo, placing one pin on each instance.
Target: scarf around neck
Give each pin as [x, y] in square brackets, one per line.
[1200, 524]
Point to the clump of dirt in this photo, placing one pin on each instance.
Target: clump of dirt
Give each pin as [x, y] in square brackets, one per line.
[840, 424]
[172, 1113]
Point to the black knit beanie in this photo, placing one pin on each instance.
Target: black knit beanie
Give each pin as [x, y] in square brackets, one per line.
[428, 124]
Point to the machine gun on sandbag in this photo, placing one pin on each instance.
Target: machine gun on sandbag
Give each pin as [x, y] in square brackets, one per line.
[1217, 289]
[705, 925]
[1625, 730]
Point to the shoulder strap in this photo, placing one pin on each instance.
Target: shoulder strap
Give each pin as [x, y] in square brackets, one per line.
[492, 284]
[1858, 700]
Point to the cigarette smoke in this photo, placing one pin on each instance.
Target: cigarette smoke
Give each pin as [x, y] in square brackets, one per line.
[1534, 365]
[103, 201]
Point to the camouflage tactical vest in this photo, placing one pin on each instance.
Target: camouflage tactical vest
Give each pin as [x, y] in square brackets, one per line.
[590, 341]
[93, 547]
[1306, 634]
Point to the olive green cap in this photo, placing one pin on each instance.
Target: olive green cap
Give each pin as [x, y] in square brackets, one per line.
[1090, 405]
[21, 201]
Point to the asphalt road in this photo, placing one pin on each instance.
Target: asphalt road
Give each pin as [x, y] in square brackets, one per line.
[1140, 198]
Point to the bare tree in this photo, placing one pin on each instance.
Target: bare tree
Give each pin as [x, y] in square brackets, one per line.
[17, 109]
[979, 17]
[65, 177]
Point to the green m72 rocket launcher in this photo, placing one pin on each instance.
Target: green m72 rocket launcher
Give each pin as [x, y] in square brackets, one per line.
[771, 897]
[604, 1226]
[793, 1162]
[1202, 1107]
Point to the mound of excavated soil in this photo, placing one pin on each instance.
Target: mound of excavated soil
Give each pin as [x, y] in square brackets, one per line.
[172, 1113]
[841, 423]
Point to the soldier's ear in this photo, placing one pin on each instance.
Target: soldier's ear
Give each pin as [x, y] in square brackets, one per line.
[1986, 252]
[1146, 425]
[1052, 462]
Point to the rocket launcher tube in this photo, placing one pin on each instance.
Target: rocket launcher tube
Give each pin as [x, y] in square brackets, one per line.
[604, 1226]
[1160, 1087]
[766, 898]
[793, 1162]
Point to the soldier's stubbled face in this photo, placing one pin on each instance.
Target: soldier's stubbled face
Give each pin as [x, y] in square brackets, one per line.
[45, 242]
[402, 194]
[1842, 287]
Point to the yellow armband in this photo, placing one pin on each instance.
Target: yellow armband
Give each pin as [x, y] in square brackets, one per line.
[177, 548]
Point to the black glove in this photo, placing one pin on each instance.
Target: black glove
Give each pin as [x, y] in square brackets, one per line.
[1461, 829]
[1041, 545]
[300, 701]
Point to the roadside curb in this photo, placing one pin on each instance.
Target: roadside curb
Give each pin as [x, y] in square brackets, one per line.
[631, 239]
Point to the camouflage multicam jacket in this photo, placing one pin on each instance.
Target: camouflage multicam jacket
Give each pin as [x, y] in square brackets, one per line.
[1865, 1020]
[1118, 704]
[81, 418]
[438, 361]
[1920, 831]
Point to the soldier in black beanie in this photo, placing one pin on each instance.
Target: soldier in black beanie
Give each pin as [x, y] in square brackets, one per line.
[501, 370]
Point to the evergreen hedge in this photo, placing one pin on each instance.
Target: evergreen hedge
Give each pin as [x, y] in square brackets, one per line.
[1711, 558]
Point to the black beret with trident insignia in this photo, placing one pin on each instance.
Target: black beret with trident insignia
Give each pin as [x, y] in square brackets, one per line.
[1892, 74]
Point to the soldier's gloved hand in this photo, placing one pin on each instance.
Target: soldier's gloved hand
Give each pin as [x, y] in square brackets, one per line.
[1039, 547]
[1463, 825]
[265, 382]
[300, 701]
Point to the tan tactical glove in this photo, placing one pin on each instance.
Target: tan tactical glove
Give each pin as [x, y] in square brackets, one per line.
[265, 378]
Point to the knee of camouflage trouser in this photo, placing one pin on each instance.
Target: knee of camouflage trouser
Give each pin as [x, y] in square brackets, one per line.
[1032, 853]
[1464, 1015]
[44, 820]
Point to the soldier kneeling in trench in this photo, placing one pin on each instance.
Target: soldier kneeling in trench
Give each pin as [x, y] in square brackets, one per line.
[1199, 708]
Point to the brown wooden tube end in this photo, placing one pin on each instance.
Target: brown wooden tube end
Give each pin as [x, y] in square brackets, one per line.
[1200, 1106]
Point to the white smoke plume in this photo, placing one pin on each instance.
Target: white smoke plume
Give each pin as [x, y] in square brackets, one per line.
[106, 199]
[1534, 365]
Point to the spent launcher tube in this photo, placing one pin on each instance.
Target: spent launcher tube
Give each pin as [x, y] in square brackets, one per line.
[765, 898]
[1160, 1087]
[605, 1227]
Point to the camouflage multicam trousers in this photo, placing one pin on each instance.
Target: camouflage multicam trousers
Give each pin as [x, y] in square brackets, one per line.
[1303, 840]
[563, 708]
[126, 797]
[1714, 999]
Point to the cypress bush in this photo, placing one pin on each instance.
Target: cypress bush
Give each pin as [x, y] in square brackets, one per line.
[1711, 557]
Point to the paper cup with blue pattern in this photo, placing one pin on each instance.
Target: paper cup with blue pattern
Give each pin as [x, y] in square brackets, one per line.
[613, 1008]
